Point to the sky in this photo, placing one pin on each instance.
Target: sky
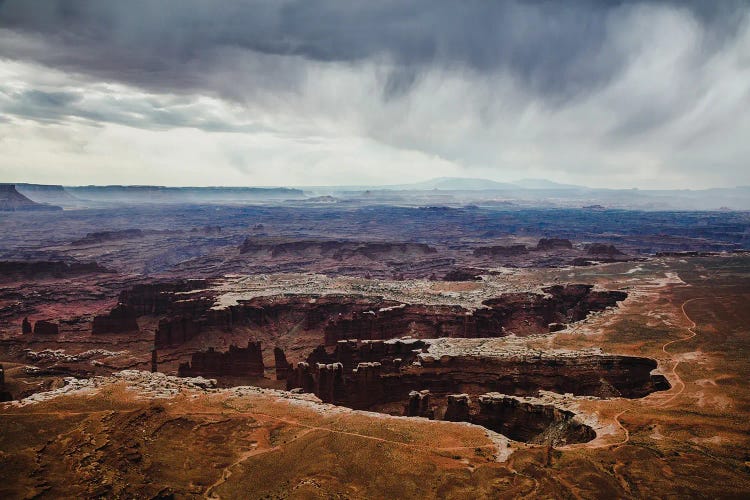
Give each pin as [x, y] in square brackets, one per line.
[603, 93]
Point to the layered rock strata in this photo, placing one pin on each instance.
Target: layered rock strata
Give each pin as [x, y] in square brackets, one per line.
[119, 320]
[530, 421]
[236, 362]
[45, 327]
[281, 364]
[16, 270]
[341, 317]
[392, 379]
[332, 249]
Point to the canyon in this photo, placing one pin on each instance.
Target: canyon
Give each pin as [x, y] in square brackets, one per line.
[372, 353]
[493, 343]
[333, 317]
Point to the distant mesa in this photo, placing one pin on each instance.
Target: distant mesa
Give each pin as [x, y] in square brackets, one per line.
[322, 199]
[463, 275]
[552, 243]
[332, 249]
[602, 249]
[208, 229]
[501, 251]
[13, 201]
[174, 195]
[543, 184]
[50, 194]
[479, 184]
[460, 184]
[104, 236]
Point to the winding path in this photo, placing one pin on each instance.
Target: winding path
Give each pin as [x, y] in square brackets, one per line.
[693, 333]
[679, 381]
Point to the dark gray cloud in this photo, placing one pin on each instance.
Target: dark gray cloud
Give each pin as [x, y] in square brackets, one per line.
[557, 49]
[651, 91]
[56, 107]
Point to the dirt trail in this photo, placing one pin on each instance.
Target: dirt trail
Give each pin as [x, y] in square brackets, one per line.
[373, 438]
[693, 333]
[679, 382]
[227, 472]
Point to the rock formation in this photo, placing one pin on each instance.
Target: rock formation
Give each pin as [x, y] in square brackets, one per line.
[157, 298]
[553, 243]
[501, 251]
[390, 354]
[519, 313]
[26, 326]
[457, 409]
[120, 319]
[154, 361]
[237, 362]
[11, 201]
[522, 373]
[427, 389]
[14, 270]
[282, 365]
[418, 405]
[106, 236]
[602, 249]
[496, 391]
[176, 330]
[331, 249]
[582, 262]
[530, 422]
[48, 193]
[463, 275]
[351, 317]
[44, 327]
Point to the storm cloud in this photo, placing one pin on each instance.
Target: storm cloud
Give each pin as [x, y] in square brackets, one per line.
[610, 93]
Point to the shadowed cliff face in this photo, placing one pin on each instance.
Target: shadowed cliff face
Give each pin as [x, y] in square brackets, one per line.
[401, 366]
[333, 249]
[32, 270]
[386, 388]
[530, 422]
[341, 317]
[356, 364]
[11, 201]
[499, 392]
[236, 362]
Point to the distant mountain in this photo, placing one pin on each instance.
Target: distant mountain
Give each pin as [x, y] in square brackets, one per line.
[544, 184]
[442, 191]
[543, 193]
[457, 184]
[12, 201]
[477, 184]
